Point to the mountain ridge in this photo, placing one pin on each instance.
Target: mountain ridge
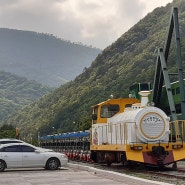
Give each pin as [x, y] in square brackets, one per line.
[43, 57]
[129, 60]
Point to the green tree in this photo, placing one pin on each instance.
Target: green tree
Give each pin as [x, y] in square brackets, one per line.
[7, 131]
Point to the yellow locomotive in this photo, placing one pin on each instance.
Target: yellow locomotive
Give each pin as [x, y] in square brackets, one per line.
[126, 130]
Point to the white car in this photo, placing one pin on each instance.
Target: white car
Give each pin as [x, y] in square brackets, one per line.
[24, 155]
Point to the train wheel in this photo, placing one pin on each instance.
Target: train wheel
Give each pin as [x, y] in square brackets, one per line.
[129, 164]
[108, 163]
[93, 157]
[174, 166]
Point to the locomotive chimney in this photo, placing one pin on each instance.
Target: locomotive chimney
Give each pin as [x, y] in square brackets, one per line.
[144, 97]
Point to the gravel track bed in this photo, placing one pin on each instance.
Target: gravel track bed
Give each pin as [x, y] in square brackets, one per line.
[167, 175]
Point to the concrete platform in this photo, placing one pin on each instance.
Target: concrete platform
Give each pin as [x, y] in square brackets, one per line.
[70, 175]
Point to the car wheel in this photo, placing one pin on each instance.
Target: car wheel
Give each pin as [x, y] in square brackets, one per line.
[52, 164]
[2, 165]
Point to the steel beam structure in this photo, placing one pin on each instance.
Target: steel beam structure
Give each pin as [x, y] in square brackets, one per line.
[161, 74]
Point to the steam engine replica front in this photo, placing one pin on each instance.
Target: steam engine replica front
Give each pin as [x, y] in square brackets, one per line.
[126, 131]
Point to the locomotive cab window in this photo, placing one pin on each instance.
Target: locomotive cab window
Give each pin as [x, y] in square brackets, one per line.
[173, 91]
[108, 111]
[145, 87]
[177, 90]
[94, 115]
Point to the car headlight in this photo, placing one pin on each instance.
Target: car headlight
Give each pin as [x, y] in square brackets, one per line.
[64, 156]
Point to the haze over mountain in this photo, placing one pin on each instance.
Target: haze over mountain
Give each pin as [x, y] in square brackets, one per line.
[129, 60]
[42, 57]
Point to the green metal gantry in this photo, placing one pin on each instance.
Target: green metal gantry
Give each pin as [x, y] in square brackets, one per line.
[161, 73]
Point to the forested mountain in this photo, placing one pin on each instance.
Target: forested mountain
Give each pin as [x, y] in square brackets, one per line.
[16, 92]
[42, 57]
[130, 59]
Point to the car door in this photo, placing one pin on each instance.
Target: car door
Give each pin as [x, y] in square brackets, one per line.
[31, 158]
[12, 155]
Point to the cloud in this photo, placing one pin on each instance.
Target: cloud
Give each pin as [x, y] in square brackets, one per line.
[99, 21]
[92, 22]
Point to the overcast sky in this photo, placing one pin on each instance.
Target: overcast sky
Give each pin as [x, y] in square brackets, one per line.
[92, 22]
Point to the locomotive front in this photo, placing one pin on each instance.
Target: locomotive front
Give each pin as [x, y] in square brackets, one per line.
[153, 125]
[145, 123]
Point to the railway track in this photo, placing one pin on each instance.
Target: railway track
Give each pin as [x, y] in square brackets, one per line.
[167, 175]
